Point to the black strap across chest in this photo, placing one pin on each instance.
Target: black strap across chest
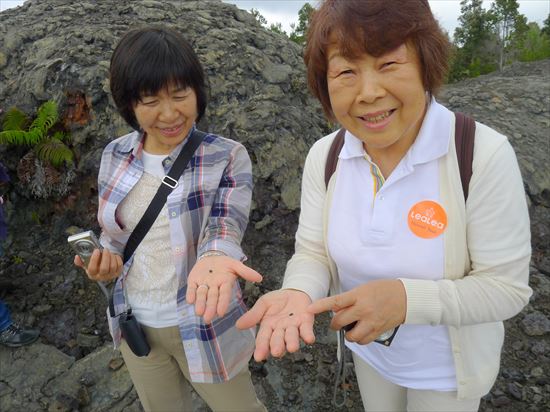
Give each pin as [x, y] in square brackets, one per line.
[169, 183]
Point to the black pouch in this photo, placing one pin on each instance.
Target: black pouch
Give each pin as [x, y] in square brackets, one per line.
[133, 334]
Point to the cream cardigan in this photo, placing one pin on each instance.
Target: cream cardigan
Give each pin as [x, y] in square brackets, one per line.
[487, 253]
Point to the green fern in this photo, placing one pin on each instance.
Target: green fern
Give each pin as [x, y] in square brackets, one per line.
[54, 151]
[15, 137]
[15, 119]
[47, 147]
[46, 117]
[64, 137]
[34, 136]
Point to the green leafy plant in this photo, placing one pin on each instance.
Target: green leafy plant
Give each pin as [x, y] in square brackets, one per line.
[44, 134]
[35, 217]
[17, 259]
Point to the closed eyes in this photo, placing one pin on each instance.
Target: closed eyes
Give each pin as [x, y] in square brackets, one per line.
[344, 72]
[148, 102]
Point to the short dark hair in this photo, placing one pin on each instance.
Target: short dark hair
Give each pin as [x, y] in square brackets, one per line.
[147, 60]
[374, 27]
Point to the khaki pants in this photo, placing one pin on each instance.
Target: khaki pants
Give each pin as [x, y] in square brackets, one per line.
[381, 395]
[162, 381]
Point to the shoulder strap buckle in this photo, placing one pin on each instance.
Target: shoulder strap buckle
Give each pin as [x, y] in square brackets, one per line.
[170, 182]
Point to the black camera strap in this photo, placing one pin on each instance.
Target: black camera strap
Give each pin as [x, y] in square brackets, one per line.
[169, 183]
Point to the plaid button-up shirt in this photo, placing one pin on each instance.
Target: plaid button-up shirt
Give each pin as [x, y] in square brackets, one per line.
[208, 210]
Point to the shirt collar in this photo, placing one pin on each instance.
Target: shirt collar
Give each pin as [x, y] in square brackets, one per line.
[431, 143]
[353, 147]
[433, 138]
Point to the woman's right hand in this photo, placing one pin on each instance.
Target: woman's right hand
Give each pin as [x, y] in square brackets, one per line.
[283, 321]
[104, 265]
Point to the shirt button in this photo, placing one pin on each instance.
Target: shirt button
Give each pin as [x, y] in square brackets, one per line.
[173, 214]
[168, 161]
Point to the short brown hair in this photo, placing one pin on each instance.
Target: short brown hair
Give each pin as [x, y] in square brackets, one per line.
[149, 59]
[374, 27]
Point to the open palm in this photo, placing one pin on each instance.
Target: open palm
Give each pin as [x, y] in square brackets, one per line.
[211, 281]
[283, 320]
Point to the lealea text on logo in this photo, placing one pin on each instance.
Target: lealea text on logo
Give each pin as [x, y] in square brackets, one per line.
[427, 219]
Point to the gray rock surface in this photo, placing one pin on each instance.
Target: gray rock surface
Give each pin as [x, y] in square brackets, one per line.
[516, 102]
[60, 49]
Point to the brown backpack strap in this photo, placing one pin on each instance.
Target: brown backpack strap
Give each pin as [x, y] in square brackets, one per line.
[465, 130]
[332, 158]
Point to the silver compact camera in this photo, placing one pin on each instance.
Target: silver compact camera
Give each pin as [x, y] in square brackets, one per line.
[84, 244]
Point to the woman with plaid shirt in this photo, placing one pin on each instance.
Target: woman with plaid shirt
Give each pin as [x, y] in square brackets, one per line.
[181, 280]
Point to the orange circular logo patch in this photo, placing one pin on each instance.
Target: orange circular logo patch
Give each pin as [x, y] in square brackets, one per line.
[427, 219]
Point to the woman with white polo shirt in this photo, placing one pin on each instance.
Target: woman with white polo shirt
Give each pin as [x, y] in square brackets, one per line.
[391, 236]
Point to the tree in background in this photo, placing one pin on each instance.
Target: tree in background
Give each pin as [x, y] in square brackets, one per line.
[277, 28]
[487, 40]
[258, 16]
[509, 26]
[274, 27]
[299, 32]
[546, 27]
[473, 54]
[535, 45]
[484, 41]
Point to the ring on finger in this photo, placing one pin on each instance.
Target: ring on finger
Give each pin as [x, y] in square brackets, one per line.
[203, 285]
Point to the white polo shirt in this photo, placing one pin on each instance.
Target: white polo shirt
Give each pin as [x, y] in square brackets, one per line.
[369, 238]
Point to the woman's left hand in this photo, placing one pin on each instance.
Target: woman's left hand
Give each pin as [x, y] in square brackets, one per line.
[210, 283]
[376, 306]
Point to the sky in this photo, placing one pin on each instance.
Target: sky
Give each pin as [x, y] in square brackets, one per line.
[446, 11]
[286, 11]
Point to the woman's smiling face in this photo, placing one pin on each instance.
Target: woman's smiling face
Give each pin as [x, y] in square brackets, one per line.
[166, 117]
[380, 100]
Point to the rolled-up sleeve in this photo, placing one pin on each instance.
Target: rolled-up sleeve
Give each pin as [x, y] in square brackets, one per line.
[231, 207]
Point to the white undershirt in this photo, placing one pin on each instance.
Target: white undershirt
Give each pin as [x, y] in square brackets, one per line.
[152, 163]
[151, 283]
[369, 239]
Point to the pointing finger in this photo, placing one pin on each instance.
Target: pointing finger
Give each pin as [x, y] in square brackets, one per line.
[344, 318]
[334, 303]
